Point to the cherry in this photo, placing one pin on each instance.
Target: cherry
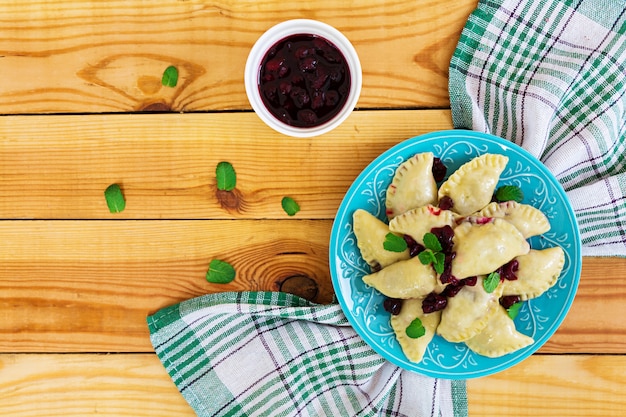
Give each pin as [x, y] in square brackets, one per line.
[434, 302]
[393, 305]
[439, 169]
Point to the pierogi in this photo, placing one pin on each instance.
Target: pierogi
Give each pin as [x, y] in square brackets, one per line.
[488, 237]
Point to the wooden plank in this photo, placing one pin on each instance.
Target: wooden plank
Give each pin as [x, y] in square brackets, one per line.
[58, 166]
[88, 56]
[87, 286]
[553, 385]
[88, 385]
[137, 385]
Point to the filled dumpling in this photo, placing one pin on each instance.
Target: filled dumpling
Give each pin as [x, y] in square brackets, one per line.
[482, 248]
[468, 312]
[528, 220]
[413, 185]
[417, 222]
[404, 279]
[370, 234]
[499, 337]
[538, 271]
[471, 186]
[414, 349]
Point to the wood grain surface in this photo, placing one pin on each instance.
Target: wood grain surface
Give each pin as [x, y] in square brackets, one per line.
[136, 385]
[87, 286]
[58, 166]
[83, 107]
[84, 56]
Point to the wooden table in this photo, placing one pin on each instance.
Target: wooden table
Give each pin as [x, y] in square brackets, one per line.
[84, 107]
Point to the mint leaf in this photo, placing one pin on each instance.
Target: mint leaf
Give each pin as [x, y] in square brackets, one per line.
[439, 264]
[513, 311]
[491, 282]
[290, 206]
[415, 329]
[394, 243]
[426, 257]
[509, 193]
[115, 198]
[170, 76]
[220, 272]
[431, 242]
[226, 176]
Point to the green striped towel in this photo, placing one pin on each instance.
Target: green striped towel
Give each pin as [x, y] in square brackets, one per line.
[275, 354]
[551, 76]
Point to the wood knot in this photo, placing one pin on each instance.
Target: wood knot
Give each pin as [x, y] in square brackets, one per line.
[156, 107]
[300, 285]
[231, 201]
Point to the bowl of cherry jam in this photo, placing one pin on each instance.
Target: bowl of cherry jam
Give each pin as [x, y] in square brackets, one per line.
[303, 78]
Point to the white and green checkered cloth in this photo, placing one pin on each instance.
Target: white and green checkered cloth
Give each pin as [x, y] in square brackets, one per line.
[551, 76]
[548, 75]
[275, 354]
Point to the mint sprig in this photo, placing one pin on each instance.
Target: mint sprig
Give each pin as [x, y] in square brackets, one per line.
[220, 272]
[115, 198]
[433, 253]
[290, 206]
[513, 311]
[491, 282]
[394, 243]
[509, 193]
[170, 76]
[225, 176]
[416, 329]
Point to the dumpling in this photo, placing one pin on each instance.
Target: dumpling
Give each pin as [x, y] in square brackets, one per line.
[414, 349]
[537, 272]
[499, 337]
[413, 185]
[370, 234]
[528, 220]
[404, 279]
[483, 248]
[417, 222]
[471, 186]
[468, 312]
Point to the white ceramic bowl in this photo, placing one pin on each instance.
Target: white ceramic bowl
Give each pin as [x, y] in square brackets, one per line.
[280, 32]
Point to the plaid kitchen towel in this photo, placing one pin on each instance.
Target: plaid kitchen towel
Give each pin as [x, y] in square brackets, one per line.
[551, 77]
[275, 354]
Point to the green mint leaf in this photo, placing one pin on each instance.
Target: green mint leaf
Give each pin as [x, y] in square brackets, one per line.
[415, 329]
[115, 198]
[394, 243]
[170, 76]
[491, 282]
[290, 206]
[513, 311]
[226, 176]
[509, 193]
[426, 257]
[440, 261]
[220, 272]
[431, 242]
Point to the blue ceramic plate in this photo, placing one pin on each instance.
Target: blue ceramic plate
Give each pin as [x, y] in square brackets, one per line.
[363, 305]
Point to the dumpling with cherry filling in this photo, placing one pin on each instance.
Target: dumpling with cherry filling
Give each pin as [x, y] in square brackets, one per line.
[414, 348]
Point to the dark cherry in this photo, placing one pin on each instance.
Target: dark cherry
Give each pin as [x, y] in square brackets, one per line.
[446, 203]
[414, 247]
[445, 235]
[471, 281]
[439, 170]
[509, 270]
[304, 80]
[434, 302]
[508, 300]
[393, 305]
